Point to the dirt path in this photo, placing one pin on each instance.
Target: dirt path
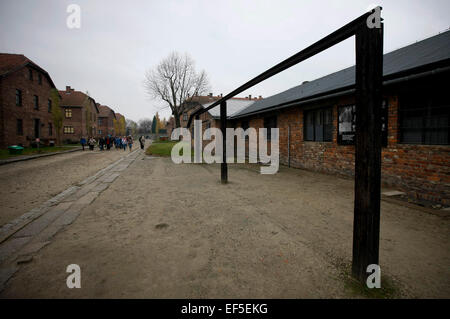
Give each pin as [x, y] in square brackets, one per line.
[25, 185]
[173, 231]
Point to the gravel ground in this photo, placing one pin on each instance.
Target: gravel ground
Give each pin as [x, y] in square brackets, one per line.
[173, 231]
[28, 184]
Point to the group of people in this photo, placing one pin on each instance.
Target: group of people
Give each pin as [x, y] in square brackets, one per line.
[119, 142]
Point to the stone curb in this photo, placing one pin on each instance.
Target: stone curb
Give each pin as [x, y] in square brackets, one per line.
[14, 160]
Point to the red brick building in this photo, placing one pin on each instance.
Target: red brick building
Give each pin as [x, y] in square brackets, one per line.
[25, 102]
[211, 118]
[105, 123]
[80, 115]
[316, 121]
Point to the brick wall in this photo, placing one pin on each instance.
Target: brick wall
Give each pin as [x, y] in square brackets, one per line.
[78, 122]
[10, 112]
[423, 171]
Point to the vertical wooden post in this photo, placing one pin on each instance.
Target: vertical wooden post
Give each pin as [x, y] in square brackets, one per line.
[366, 225]
[197, 143]
[223, 127]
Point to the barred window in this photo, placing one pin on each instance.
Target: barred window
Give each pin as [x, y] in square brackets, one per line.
[68, 113]
[318, 125]
[185, 116]
[425, 116]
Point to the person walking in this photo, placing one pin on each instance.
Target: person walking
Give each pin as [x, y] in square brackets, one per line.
[91, 143]
[117, 142]
[83, 142]
[142, 141]
[101, 142]
[130, 142]
[108, 142]
[124, 143]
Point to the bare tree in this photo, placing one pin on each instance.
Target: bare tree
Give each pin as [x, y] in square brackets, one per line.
[174, 80]
[145, 126]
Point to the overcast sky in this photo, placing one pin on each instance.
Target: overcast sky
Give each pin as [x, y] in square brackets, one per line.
[232, 41]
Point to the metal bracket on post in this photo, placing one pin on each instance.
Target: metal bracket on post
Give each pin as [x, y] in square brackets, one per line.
[366, 225]
[223, 127]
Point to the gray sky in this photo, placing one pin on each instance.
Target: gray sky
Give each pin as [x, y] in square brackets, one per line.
[232, 41]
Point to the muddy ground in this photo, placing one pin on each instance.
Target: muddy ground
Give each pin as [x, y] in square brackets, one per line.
[173, 231]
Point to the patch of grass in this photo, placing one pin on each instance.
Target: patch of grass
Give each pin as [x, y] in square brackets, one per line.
[389, 289]
[4, 153]
[162, 148]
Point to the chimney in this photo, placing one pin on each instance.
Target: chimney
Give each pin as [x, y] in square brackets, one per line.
[68, 89]
[260, 97]
[210, 94]
[249, 96]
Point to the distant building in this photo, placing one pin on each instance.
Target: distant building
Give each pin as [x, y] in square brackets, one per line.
[80, 114]
[211, 118]
[105, 122]
[25, 102]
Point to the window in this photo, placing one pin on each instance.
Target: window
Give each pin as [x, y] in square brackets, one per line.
[347, 124]
[50, 129]
[269, 123]
[68, 113]
[37, 128]
[39, 78]
[99, 121]
[99, 132]
[18, 97]
[185, 116]
[68, 130]
[425, 118]
[36, 102]
[49, 106]
[318, 125]
[19, 127]
[30, 74]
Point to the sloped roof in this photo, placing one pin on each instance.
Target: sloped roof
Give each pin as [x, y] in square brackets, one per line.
[104, 111]
[234, 106]
[12, 62]
[429, 51]
[74, 98]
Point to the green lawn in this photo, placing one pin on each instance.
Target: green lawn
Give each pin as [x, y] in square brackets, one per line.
[4, 153]
[160, 148]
